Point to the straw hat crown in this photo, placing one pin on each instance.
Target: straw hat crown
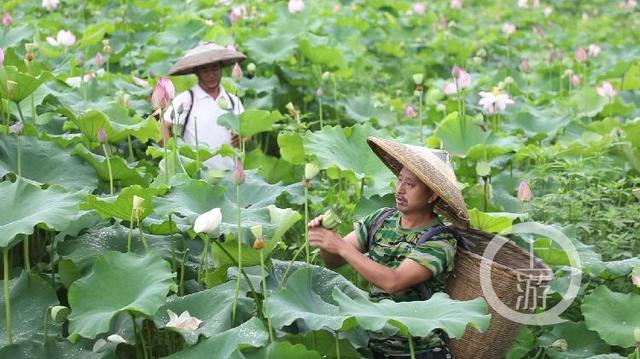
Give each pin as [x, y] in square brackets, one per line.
[432, 167]
[204, 54]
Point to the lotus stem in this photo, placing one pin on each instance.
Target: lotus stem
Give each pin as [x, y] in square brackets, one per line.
[52, 262]
[264, 291]
[203, 256]
[130, 148]
[284, 277]
[6, 117]
[106, 154]
[19, 155]
[138, 332]
[166, 151]
[181, 283]
[7, 294]
[25, 245]
[33, 109]
[306, 220]
[320, 110]
[174, 267]
[335, 98]
[420, 116]
[144, 241]
[237, 292]
[244, 274]
[20, 111]
[46, 323]
[195, 123]
[337, 346]
[130, 231]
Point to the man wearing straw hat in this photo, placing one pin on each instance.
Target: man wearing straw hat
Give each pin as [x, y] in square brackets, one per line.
[197, 110]
[404, 252]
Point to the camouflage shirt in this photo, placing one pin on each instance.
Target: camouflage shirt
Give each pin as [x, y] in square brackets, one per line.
[393, 244]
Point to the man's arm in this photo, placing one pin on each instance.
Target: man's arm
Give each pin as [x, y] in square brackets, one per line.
[408, 274]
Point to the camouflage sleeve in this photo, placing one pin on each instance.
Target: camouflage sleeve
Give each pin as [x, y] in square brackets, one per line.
[437, 254]
[362, 227]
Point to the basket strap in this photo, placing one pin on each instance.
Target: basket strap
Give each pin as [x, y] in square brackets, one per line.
[375, 226]
[186, 120]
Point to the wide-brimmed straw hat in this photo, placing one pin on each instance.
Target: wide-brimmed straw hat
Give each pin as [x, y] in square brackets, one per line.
[433, 168]
[204, 54]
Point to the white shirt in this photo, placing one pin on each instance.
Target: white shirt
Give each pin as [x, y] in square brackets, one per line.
[205, 113]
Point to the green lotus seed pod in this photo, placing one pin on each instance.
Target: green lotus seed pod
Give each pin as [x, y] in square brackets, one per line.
[59, 313]
[256, 231]
[311, 170]
[418, 78]
[330, 219]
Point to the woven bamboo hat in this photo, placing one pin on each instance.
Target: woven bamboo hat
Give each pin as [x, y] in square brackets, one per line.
[204, 54]
[432, 167]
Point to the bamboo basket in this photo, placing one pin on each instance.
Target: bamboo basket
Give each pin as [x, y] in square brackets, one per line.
[509, 262]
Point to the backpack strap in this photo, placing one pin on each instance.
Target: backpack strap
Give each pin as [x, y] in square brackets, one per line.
[375, 226]
[186, 120]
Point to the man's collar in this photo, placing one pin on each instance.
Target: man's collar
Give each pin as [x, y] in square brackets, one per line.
[200, 93]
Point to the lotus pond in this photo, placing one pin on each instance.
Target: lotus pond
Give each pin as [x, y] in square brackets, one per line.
[537, 101]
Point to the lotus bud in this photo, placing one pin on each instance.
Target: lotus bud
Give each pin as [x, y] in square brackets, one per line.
[251, 68]
[509, 80]
[636, 335]
[289, 106]
[410, 112]
[330, 219]
[319, 92]
[326, 75]
[524, 192]
[59, 313]
[256, 231]
[208, 221]
[575, 80]
[137, 206]
[481, 52]
[477, 60]
[238, 172]
[6, 19]
[99, 59]
[115, 338]
[483, 169]
[418, 78]
[524, 66]
[236, 73]
[311, 170]
[106, 46]
[560, 345]
[102, 135]
[17, 128]
[441, 107]
[163, 93]
[635, 279]
[581, 55]
[258, 244]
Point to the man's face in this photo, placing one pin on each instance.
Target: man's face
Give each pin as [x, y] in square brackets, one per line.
[209, 76]
[412, 195]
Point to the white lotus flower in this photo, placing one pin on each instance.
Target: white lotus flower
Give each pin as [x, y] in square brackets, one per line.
[50, 4]
[593, 50]
[494, 101]
[547, 11]
[115, 338]
[296, 6]
[208, 221]
[185, 321]
[606, 90]
[508, 28]
[64, 38]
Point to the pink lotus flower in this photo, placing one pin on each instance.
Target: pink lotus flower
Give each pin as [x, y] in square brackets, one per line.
[102, 135]
[462, 78]
[17, 128]
[419, 8]
[524, 192]
[50, 4]
[632, 4]
[99, 59]
[163, 93]
[456, 4]
[336, 7]
[575, 80]
[580, 55]
[64, 38]
[524, 66]
[449, 88]
[185, 321]
[494, 101]
[6, 19]
[593, 50]
[410, 112]
[636, 280]
[296, 6]
[237, 13]
[547, 11]
[508, 28]
[606, 90]
[236, 73]
[238, 172]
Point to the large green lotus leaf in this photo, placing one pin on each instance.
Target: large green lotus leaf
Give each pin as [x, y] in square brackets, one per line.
[618, 108]
[587, 102]
[123, 173]
[25, 85]
[307, 297]
[121, 205]
[227, 345]
[458, 137]
[360, 108]
[52, 349]
[186, 151]
[212, 306]
[15, 34]
[324, 342]
[30, 297]
[534, 121]
[94, 33]
[273, 169]
[283, 350]
[45, 162]
[124, 125]
[551, 253]
[254, 192]
[250, 122]
[581, 342]
[631, 79]
[273, 48]
[411, 318]
[347, 150]
[31, 205]
[613, 315]
[322, 54]
[524, 342]
[622, 267]
[494, 222]
[260, 84]
[118, 282]
[291, 147]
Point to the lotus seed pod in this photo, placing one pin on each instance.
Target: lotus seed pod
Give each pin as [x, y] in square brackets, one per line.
[441, 107]
[477, 60]
[330, 219]
[418, 78]
[311, 170]
[251, 68]
[256, 231]
[258, 244]
[508, 80]
[59, 313]
[30, 47]
[326, 75]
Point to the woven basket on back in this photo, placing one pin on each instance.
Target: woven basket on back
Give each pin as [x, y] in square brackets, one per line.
[509, 261]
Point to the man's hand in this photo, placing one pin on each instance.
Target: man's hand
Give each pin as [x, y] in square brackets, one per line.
[327, 240]
[235, 140]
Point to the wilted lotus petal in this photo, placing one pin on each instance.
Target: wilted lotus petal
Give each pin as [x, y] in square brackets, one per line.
[593, 50]
[208, 221]
[311, 170]
[524, 66]
[16, 128]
